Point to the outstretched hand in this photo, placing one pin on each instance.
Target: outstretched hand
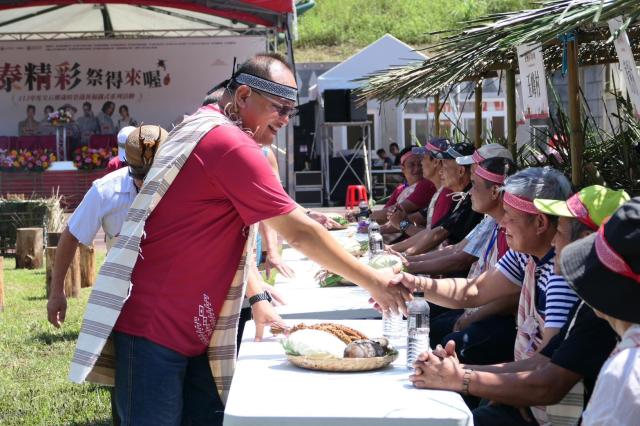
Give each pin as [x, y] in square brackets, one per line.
[411, 282]
[264, 315]
[387, 297]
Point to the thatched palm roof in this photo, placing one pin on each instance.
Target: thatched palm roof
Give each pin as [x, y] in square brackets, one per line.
[489, 44]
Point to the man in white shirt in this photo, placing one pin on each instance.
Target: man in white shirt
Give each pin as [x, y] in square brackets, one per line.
[104, 205]
[604, 269]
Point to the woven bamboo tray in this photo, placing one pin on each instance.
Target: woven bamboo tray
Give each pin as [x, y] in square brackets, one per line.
[343, 364]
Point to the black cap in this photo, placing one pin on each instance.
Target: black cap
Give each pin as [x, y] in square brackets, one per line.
[593, 265]
[456, 150]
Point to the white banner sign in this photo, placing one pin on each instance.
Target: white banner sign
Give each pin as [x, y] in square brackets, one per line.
[627, 62]
[533, 81]
[159, 80]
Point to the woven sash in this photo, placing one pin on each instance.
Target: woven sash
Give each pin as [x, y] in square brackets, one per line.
[93, 359]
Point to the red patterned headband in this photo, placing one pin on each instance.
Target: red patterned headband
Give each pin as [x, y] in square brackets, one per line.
[490, 176]
[520, 203]
[477, 157]
[432, 147]
[579, 210]
[612, 260]
[405, 156]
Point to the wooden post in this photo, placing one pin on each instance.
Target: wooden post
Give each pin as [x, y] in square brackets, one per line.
[72, 280]
[53, 238]
[511, 112]
[436, 115]
[29, 244]
[87, 265]
[1, 284]
[478, 116]
[576, 135]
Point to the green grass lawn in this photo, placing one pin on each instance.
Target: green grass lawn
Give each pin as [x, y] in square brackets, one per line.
[35, 356]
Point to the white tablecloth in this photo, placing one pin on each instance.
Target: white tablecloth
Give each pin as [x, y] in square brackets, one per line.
[305, 298]
[267, 390]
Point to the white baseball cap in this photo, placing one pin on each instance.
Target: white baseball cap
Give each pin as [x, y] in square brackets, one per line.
[491, 150]
[123, 134]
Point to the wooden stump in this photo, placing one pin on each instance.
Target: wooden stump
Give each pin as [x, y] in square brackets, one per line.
[29, 243]
[87, 265]
[72, 280]
[53, 238]
[1, 283]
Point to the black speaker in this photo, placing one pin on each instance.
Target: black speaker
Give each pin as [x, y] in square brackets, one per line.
[356, 112]
[340, 107]
[336, 106]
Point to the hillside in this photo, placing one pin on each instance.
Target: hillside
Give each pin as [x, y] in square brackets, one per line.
[335, 29]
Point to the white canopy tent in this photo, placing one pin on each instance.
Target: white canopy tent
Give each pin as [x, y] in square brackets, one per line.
[386, 118]
[384, 53]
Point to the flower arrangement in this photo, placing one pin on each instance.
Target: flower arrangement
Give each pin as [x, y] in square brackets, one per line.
[86, 158]
[36, 160]
[60, 117]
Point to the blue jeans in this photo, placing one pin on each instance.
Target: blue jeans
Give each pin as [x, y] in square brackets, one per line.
[158, 386]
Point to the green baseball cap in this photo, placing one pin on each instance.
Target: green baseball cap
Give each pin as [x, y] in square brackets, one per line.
[591, 205]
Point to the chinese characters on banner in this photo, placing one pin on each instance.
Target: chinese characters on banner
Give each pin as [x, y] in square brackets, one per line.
[627, 62]
[45, 77]
[533, 81]
[157, 80]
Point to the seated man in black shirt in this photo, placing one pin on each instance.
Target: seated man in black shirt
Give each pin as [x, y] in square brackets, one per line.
[462, 219]
[576, 353]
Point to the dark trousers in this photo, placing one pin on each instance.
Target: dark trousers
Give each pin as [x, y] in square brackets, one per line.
[501, 415]
[489, 341]
[158, 386]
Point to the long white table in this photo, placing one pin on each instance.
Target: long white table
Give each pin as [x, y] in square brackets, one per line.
[306, 299]
[267, 390]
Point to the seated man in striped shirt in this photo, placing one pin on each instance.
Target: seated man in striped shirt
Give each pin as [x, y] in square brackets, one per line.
[564, 372]
[527, 268]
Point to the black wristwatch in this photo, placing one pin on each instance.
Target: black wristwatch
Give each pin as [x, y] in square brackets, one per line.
[260, 297]
[404, 224]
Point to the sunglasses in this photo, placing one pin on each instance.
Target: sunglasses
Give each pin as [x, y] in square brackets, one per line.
[282, 110]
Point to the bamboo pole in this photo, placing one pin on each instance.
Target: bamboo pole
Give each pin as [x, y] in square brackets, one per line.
[576, 135]
[436, 115]
[511, 111]
[478, 115]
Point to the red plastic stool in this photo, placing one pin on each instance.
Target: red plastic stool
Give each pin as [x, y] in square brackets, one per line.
[355, 194]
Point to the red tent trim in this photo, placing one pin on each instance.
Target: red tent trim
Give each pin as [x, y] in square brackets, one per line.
[272, 8]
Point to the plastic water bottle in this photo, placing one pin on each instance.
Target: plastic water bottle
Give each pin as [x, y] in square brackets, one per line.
[364, 210]
[376, 244]
[394, 328]
[417, 328]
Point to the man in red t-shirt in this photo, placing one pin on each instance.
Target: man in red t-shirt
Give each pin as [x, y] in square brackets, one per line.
[193, 243]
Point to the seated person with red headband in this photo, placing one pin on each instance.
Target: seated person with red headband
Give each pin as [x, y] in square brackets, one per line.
[415, 193]
[563, 374]
[462, 219]
[527, 269]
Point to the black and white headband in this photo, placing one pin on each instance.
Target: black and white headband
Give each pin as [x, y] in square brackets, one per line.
[267, 86]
